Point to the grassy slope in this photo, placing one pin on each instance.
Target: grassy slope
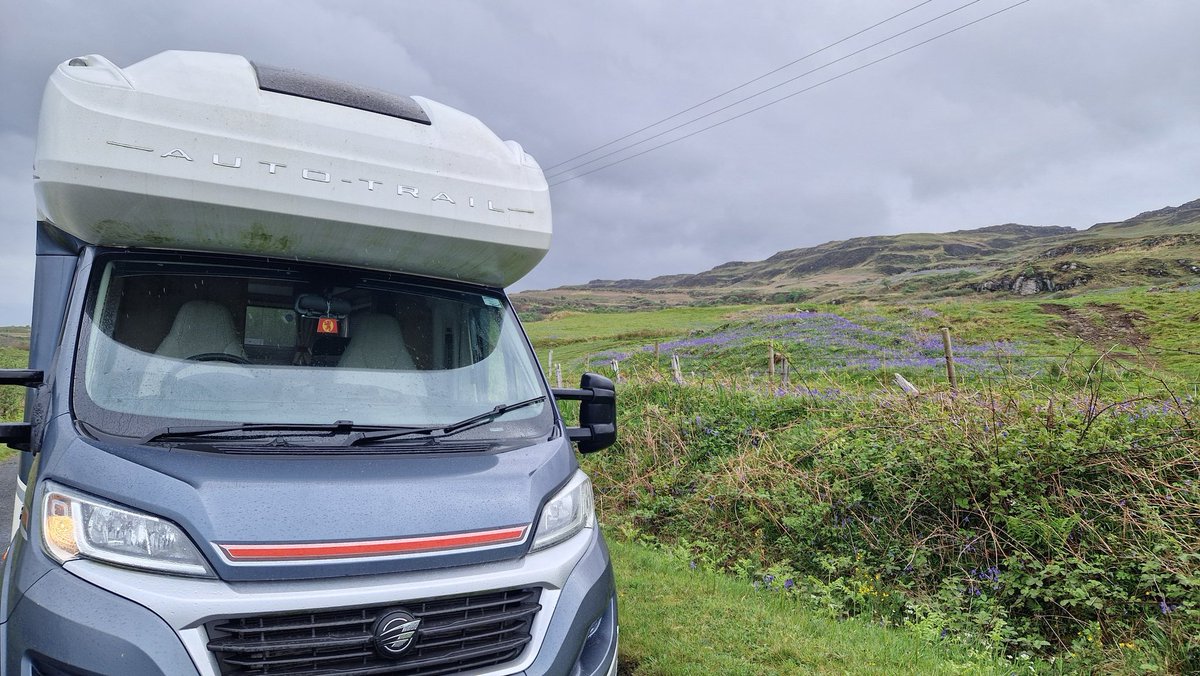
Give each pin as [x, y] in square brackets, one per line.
[680, 621]
[1161, 337]
[575, 335]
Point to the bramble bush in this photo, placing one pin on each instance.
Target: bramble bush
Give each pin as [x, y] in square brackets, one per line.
[1061, 527]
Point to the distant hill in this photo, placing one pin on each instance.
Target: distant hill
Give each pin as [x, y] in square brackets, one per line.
[1155, 247]
[15, 337]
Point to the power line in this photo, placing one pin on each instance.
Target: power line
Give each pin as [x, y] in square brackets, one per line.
[796, 93]
[741, 86]
[806, 73]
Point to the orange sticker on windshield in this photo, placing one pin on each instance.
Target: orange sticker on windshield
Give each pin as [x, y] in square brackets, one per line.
[327, 325]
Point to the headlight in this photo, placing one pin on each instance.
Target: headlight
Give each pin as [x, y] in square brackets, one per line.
[77, 525]
[568, 512]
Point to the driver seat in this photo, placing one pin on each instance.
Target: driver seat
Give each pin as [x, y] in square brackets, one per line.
[201, 327]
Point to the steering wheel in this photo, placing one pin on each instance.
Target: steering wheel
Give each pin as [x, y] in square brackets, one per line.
[178, 374]
[219, 356]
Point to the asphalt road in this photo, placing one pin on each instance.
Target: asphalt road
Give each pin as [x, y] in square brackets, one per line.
[8, 488]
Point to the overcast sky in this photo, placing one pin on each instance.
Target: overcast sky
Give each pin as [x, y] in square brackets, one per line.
[1058, 112]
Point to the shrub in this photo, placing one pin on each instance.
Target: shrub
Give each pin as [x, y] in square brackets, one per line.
[1042, 526]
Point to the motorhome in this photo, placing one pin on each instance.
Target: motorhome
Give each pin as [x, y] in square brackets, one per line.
[281, 416]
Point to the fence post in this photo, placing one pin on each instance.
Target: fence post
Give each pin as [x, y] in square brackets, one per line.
[949, 358]
[656, 354]
[771, 359]
[558, 374]
[550, 364]
[787, 372]
[676, 371]
[616, 367]
[908, 387]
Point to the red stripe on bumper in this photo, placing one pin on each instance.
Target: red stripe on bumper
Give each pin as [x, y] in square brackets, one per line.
[333, 550]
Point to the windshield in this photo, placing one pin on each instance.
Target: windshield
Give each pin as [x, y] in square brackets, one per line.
[193, 340]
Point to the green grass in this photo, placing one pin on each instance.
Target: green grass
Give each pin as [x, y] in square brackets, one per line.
[572, 326]
[14, 354]
[575, 335]
[680, 621]
[1161, 343]
[12, 399]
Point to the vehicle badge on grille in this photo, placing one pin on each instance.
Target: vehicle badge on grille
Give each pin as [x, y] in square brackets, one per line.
[395, 633]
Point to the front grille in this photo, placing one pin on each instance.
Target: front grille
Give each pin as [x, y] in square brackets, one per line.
[456, 634]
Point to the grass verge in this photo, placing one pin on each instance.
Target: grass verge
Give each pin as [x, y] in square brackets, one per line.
[680, 621]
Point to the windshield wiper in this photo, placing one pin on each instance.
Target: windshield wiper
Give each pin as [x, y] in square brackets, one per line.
[442, 431]
[195, 431]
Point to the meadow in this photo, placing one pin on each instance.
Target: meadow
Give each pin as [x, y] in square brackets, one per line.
[1045, 513]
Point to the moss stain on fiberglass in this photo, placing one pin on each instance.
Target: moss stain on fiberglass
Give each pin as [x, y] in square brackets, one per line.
[256, 239]
[108, 231]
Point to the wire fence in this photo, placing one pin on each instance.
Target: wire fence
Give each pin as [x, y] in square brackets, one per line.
[1136, 366]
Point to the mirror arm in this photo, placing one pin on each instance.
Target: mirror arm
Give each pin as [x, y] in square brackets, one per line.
[573, 394]
[25, 377]
[579, 434]
[588, 396]
[570, 394]
[15, 433]
[597, 412]
[19, 434]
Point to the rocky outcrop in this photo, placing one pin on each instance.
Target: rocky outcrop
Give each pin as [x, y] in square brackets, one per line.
[1081, 249]
[963, 250]
[1152, 267]
[1022, 231]
[1035, 282]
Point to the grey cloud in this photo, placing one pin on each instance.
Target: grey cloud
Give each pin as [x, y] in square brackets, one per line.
[1058, 112]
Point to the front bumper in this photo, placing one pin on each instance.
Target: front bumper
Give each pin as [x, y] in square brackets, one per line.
[88, 617]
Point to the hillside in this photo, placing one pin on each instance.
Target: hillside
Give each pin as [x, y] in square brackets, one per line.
[1153, 248]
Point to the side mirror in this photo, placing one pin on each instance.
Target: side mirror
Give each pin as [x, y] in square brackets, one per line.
[597, 412]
